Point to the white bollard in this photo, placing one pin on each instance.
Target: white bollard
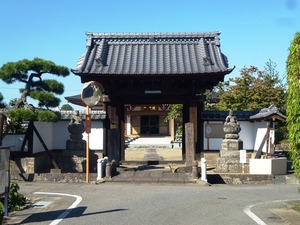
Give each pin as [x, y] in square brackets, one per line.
[203, 169]
[99, 168]
[101, 165]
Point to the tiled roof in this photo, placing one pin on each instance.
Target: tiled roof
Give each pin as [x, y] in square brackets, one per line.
[76, 100]
[95, 115]
[240, 115]
[152, 53]
[268, 113]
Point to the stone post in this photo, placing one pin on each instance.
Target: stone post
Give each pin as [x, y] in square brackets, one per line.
[113, 167]
[195, 170]
[108, 170]
[189, 144]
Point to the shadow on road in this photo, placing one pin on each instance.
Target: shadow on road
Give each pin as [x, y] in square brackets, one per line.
[56, 214]
[215, 179]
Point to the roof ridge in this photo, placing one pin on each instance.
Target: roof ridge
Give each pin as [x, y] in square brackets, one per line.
[153, 34]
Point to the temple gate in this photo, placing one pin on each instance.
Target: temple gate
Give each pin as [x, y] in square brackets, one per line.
[153, 68]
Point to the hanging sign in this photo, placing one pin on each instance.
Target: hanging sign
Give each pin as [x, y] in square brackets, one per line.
[88, 123]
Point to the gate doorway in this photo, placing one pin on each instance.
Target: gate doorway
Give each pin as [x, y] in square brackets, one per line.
[150, 125]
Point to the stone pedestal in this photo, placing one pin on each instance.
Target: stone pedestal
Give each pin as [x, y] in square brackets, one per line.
[73, 144]
[74, 160]
[76, 128]
[229, 159]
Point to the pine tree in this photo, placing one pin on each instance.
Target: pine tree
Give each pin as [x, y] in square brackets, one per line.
[30, 73]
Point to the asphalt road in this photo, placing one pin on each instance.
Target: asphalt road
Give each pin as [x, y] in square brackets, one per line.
[150, 204]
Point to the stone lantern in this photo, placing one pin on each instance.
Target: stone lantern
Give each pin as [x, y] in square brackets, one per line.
[76, 129]
[229, 159]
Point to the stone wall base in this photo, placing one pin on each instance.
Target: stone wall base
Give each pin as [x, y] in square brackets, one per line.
[68, 161]
[53, 177]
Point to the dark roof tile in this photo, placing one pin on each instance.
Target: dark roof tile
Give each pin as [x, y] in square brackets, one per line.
[153, 53]
[269, 113]
[212, 115]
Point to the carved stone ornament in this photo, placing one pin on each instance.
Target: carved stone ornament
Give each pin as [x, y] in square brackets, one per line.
[231, 127]
[76, 128]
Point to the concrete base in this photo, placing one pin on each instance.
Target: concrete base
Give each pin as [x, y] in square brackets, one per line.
[275, 166]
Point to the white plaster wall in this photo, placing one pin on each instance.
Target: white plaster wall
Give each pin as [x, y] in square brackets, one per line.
[55, 136]
[60, 134]
[96, 137]
[14, 142]
[46, 131]
[247, 135]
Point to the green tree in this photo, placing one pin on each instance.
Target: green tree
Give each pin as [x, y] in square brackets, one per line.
[293, 101]
[66, 107]
[44, 91]
[176, 113]
[30, 73]
[254, 89]
[2, 104]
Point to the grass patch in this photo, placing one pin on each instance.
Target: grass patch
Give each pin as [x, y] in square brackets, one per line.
[296, 207]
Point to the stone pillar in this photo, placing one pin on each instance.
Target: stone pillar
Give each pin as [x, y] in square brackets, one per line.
[189, 144]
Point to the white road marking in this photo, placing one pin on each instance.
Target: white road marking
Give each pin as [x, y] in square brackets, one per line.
[68, 210]
[255, 218]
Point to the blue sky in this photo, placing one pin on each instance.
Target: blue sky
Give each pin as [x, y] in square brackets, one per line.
[252, 31]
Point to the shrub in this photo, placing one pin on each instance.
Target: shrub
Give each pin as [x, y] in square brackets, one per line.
[16, 201]
[1, 212]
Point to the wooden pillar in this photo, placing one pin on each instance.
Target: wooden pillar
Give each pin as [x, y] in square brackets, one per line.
[116, 130]
[185, 119]
[113, 119]
[200, 131]
[172, 129]
[121, 117]
[113, 137]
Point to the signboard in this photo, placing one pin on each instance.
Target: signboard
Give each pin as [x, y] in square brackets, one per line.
[214, 130]
[88, 123]
[2, 182]
[243, 156]
[4, 170]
